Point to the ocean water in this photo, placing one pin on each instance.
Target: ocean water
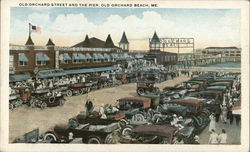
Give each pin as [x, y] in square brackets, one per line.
[224, 65]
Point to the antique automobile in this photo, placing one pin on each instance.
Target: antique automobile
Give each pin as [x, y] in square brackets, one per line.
[19, 96]
[195, 111]
[194, 85]
[227, 84]
[95, 119]
[157, 134]
[218, 88]
[123, 77]
[146, 88]
[90, 134]
[133, 105]
[78, 88]
[48, 100]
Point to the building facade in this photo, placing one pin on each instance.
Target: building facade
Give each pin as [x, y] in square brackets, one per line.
[90, 53]
[223, 51]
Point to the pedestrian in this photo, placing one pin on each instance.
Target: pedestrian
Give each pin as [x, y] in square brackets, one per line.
[237, 118]
[230, 116]
[222, 138]
[224, 113]
[212, 122]
[217, 111]
[213, 137]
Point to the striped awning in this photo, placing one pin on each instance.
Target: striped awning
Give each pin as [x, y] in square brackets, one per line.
[22, 57]
[96, 56]
[91, 70]
[100, 56]
[19, 77]
[79, 56]
[42, 57]
[88, 56]
[106, 56]
[66, 56]
[114, 56]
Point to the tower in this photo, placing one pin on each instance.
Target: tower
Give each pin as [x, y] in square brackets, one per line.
[124, 44]
[155, 43]
[29, 43]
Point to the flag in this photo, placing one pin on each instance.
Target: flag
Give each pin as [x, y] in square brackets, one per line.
[35, 29]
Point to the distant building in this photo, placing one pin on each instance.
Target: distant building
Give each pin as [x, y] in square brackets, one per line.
[158, 56]
[223, 51]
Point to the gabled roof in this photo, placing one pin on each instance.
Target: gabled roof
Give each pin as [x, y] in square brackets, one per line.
[155, 38]
[50, 43]
[109, 43]
[94, 43]
[124, 39]
[29, 41]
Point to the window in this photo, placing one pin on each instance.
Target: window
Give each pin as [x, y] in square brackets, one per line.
[77, 61]
[64, 62]
[23, 63]
[41, 63]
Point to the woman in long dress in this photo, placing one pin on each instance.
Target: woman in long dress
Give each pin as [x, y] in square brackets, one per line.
[212, 122]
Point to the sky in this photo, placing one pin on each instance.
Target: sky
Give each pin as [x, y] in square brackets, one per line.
[68, 26]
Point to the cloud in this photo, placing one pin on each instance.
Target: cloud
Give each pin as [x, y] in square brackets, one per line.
[69, 29]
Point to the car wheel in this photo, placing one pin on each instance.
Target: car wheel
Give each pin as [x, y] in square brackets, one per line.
[140, 91]
[94, 140]
[109, 139]
[11, 106]
[69, 93]
[73, 123]
[81, 91]
[127, 132]
[50, 137]
[43, 105]
[138, 117]
[33, 104]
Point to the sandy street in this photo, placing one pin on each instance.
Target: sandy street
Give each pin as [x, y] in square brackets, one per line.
[25, 119]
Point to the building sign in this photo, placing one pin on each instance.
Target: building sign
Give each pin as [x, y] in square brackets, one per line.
[175, 43]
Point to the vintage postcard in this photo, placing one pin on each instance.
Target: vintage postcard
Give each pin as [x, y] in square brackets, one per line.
[124, 75]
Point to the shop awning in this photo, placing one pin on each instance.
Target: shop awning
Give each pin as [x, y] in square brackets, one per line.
[114, 56]
[106, 56]
[79, 56]
[42, 57]
[96, 56]
[51, 73]
[66, 56]
[100, 56]
[22, 57]
[88, 56]
[81, 71]
[19, 77]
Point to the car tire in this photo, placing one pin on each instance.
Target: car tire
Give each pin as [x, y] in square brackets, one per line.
[43, 105]
[94, 140]
[138, 117]
[49, 137]
[52, 99]
[82, 91]
[109, 139]
[69, 93]
[140, 91]
[126, 132]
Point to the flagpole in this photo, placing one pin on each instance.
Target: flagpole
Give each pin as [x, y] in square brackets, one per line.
[29, 29]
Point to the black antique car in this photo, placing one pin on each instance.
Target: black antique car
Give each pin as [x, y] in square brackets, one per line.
[95, 119]
[146, 87]
[90, 134]
[45, 101]
[78, 88]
